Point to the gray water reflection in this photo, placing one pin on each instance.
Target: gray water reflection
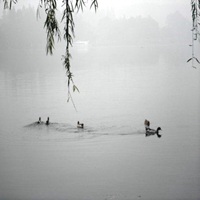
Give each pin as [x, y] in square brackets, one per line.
[110, 158]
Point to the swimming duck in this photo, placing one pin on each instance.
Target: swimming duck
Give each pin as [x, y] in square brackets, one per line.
[150, 131]
[47, 122]
[39, 121]
[79, 125]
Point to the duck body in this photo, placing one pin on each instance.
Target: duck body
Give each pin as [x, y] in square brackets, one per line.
[150, 131]
[39, 121]
[80, 125]
[47, 122]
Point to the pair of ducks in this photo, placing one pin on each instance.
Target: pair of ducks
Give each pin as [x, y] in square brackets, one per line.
[150, 131]
[79, 125]
[40, 121]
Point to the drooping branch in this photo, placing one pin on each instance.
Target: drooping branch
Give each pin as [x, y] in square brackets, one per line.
[195, 9]
[69, 34]
[51, 23]
[52, 28]
[68, 20]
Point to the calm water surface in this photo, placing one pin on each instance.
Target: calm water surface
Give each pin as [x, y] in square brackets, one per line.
[111, 158]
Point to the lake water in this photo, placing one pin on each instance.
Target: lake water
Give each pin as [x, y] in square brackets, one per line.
[111, 158]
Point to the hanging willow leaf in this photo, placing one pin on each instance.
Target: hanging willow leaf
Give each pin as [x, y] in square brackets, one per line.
[5, 4]
[196, 60]
[95, 4]
[75, 88]
[9, 4]
[79, 4]
[189, 60]
[52, 29]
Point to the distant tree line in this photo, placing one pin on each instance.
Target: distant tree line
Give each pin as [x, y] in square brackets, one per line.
[134, 31]
[19, 29]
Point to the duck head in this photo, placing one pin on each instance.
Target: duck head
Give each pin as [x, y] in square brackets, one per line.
[157, 132]
[159, 129]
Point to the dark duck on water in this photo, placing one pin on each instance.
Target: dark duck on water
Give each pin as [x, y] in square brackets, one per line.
[39, 121]
[80, 125]
[47, 122]
[150, 131]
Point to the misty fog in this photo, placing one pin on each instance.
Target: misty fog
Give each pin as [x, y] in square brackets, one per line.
[129, 61]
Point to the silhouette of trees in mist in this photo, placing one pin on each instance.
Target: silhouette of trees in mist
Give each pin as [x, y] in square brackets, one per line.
[20, 30]
[133, 31]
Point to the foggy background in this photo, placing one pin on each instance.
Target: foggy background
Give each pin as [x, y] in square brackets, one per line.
[132, 23]
[129, 63]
